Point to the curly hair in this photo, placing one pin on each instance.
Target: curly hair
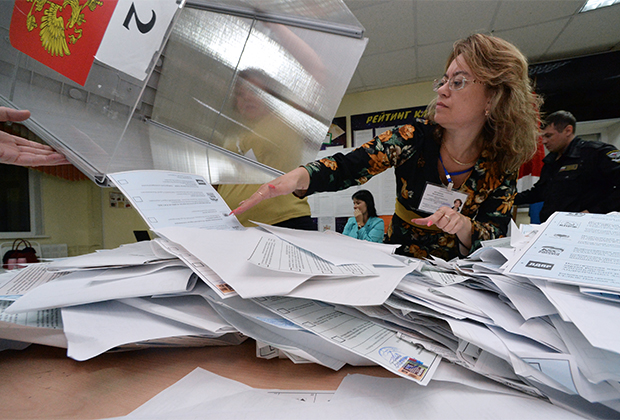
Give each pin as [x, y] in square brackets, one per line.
[513, 124]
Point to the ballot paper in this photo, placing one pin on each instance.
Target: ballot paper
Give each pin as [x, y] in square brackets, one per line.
[15, 284]
[337, 248]
[360, 336]
[166, 198]
[202, 270]
[434, 298]
[505, 317]
[81, 287]
[596, 364]
[189, 309]
[257, 322]
[524, 296]
[354, 290]
[41, 327]
[596, 319]
[358, 396]
[203, 392]
[272, 328]
[600, 294]
[276, 254]
[226, 253]
[561, 372]
[441, 276]
[574, 248]
[97, 327]
[138, 253]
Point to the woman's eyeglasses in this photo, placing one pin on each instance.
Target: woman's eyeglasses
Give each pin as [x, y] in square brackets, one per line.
[455, 83]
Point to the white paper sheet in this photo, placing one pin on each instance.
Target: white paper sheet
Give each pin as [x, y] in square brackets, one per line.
[445, 400]
[337, 248]
[596, 319]
[73, 289]
[203, 392]
[189, 310]
[275, 332]
[435, 299]
[505, 317]
[226, 253]
[138, 253]
[41, 327]
[15, 285]
[203, 271]
[360, 336]
[166, 198]
[527, 298]
[574, 248]
[97, 327]
[276, 254]
[358, 396]
[596, 364]
[353, 290]
[440, 276]
[563, 369]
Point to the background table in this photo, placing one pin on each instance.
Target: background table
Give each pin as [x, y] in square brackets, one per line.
[42, 382]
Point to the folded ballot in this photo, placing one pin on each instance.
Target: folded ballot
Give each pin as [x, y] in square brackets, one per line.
[78, 288]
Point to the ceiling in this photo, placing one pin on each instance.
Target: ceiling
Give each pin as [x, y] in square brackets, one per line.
[410, 40]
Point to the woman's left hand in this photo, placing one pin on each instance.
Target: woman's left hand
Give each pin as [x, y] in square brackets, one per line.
[450, 221]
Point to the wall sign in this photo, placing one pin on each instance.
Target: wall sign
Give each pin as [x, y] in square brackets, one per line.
[366, 126]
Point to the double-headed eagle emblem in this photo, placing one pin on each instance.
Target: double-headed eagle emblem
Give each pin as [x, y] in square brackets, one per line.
[55, 35]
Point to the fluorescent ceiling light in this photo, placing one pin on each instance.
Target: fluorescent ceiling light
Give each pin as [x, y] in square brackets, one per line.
[597, 4]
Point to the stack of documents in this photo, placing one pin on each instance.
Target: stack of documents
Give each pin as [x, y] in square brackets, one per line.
[534, 313]
[137, 295]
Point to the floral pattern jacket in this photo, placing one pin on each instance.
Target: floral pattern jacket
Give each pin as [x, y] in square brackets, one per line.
[413, 152]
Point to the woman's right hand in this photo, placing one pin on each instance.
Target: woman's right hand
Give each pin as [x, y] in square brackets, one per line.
[296, 180]
[359, 217]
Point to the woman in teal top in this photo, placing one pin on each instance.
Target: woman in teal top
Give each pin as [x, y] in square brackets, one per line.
[364, 224]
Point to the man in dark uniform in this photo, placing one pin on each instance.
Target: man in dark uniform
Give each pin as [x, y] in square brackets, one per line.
[578, 175]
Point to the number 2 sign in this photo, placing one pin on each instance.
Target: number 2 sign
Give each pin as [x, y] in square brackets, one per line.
[135, 33]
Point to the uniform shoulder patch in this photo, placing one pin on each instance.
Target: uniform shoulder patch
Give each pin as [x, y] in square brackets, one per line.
[614, 155]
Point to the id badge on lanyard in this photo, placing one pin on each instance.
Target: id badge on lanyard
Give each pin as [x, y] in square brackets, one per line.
[436, 196]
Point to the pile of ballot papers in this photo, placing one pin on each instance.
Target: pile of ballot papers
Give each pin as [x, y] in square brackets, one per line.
[535, 312]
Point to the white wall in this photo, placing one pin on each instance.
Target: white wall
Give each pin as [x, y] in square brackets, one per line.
[609, 130]
[613, 132]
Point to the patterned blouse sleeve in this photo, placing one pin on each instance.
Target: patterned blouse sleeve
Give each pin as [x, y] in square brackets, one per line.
[340, 171]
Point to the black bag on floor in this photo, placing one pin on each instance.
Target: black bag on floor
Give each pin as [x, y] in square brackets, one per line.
[27, 252]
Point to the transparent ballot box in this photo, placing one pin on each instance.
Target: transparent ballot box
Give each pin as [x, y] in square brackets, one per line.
[235, 91]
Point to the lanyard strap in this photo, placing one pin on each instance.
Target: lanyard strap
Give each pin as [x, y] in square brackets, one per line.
[449, 175]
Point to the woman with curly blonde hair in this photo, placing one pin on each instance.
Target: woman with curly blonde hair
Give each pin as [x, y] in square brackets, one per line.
[481, 127]
[512, 126]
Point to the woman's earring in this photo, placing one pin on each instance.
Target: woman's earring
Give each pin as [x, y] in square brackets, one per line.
[486, 113]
